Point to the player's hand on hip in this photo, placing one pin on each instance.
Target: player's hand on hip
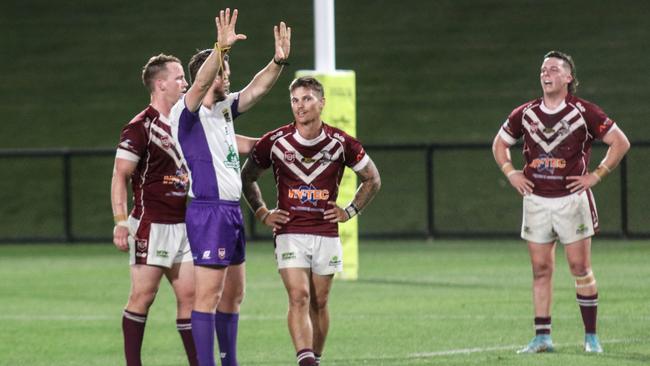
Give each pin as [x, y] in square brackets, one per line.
[519, 181]
[276, 218]
[335, 214]
[282, 35]
[120, 238]
[581, 183]
[226, 34]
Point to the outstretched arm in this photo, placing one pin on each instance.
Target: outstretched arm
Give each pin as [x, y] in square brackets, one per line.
[501, 152]
[245, 144]
[249, 175]
[122, 170]
[264, 80]
[618, 147]
[370, 185]
[226, 37]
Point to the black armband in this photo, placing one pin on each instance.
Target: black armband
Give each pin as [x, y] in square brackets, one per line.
[352, 210]
[281, 63]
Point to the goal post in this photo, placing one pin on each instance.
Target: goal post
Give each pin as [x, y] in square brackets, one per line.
[340, 112]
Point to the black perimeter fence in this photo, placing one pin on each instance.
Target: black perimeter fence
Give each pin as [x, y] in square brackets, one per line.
[429, 231]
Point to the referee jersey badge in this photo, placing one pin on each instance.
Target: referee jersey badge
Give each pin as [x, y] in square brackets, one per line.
[226, 114]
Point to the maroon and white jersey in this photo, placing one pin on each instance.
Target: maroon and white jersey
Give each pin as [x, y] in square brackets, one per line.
[557, 143]
[307, 173]
[160, 180]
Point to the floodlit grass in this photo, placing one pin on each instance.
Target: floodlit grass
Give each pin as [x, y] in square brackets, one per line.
[416, 303]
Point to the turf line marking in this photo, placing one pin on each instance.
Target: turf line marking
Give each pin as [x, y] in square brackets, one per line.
[465, 351]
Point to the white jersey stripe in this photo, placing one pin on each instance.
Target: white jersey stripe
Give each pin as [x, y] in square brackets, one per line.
[126, 155]
[307, 178]
[168, 150]
[558, 140]
[362, 164]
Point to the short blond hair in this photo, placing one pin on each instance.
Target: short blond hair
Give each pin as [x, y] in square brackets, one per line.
[155, 66]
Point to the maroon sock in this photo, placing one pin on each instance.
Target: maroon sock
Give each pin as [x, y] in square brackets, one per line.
[133, 330]
[589, 311]
[184, 327]
[542, 325]
[306, 357]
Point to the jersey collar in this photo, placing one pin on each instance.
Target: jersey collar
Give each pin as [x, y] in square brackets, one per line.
[547, 110]
[303, 141]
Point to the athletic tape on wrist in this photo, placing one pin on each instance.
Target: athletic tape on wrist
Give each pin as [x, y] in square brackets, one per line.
[352, 210]
[122, 223]
[262, 213]
[120, 218]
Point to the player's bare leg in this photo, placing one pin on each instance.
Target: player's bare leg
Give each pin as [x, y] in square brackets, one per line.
[319, 312]
[227, 316]
[181, 277]
[233, 289]
[297, 283]
[579, 257]
[145, 281]
[542, 258]
[208, 285]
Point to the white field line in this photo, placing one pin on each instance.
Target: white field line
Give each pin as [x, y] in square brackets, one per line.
[465, 351]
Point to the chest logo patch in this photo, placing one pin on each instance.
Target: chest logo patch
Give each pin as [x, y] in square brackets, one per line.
[289, 156]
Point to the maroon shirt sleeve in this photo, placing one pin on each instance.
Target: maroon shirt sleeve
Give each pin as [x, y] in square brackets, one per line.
[513, 125]
[354, 152]
[598, 123]
[261, 153]
[133, 139]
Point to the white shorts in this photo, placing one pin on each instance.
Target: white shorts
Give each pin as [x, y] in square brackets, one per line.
[567, 219]
[158, 244]
[322, 254]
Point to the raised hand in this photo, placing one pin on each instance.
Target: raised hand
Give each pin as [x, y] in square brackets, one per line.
[282, 35]
[226, 34]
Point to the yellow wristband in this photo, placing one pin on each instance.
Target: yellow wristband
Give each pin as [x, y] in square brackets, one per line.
[508, 169]
[601, 171]
[119, 218]
[221, 49]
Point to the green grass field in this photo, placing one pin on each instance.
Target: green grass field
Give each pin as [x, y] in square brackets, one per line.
[416, 303]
